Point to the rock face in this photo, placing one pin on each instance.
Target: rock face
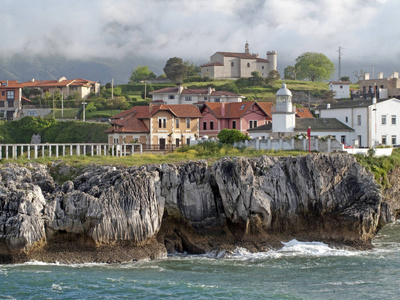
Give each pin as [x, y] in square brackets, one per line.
[123, 214]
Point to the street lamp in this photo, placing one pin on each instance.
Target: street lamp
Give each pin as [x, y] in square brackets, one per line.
[84, 103]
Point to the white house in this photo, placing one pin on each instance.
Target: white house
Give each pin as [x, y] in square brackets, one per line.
[341, 89]
[183, 95]
[374, 122]
[237, 65]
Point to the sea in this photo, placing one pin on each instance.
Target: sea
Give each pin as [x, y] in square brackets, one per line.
[300, 270]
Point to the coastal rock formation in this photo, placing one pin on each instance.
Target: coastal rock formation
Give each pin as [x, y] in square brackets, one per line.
[118, 214]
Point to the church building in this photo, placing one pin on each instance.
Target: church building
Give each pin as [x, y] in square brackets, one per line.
[225, 65]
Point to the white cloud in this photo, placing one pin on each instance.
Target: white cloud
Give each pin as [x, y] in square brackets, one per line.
[194, 29]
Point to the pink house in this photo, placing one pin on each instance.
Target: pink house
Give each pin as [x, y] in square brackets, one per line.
[236, 115]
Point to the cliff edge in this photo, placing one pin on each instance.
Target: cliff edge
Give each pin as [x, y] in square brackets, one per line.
[118, 214]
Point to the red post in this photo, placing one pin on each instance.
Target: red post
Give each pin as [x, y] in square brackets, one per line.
[309, 139]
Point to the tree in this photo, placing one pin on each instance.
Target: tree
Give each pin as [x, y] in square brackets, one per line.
[191, 69]
[345, 78]
[359, 74]
[314, 66]
[256, 78]
[230, 136]
[141, 73]
[272, 77]
[290, 72]
[175, 69]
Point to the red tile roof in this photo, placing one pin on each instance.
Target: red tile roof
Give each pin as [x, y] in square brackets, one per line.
[215, 64]
[302, 112]
[233, 110]
[340, 82]
[186, 91]
[131, 120]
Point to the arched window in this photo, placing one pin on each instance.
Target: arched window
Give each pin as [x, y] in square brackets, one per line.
[248, 65]
[232, 64]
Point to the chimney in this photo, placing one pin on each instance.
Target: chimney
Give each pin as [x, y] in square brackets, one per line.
[374, 100]
[7, 82]
[33, 80]
[395, 74]
[180, 89]
[380, 75]
[150, 107]
[366, 76]
[210, 90]
[328, 106]
[223, 109]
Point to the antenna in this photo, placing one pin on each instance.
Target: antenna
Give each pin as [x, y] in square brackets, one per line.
[340, 64]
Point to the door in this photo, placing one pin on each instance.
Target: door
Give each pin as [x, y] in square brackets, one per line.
[162, 144]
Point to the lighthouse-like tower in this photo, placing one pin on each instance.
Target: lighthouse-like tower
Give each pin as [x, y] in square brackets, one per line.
[283, 118]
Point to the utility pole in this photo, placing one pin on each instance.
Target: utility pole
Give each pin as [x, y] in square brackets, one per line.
[112, 88]
[340, 64]
[62, 104]
[54, 112]
[83, 112]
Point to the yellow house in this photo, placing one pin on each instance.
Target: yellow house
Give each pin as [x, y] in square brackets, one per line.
[155, 126]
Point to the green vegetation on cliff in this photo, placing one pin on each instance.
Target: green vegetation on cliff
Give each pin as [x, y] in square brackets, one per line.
[380, 166]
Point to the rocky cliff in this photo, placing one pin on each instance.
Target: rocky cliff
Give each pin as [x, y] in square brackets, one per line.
[112, 214]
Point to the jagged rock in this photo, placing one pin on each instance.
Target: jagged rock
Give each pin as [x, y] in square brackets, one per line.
[251, 202]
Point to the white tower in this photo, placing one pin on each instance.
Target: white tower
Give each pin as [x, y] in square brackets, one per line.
[283, 118]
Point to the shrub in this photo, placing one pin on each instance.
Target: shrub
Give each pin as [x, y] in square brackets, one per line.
[230, 136]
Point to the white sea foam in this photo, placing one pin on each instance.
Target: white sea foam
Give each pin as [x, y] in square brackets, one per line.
[296, 248]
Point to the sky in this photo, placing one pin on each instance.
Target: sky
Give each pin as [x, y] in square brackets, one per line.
[367, 30]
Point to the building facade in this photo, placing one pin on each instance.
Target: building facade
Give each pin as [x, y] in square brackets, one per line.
[183, 95]
[238, 65]
[10, 101]
[240, 116]
[340, 88]
[158, 125]
[374, 122]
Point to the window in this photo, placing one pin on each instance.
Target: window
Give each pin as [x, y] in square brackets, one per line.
[253, 124]
[10, 103]
[393, 119]
[382, 86]
[383, 139]
[162, 123]
[233, 124]
[10, 95]
[262, 67]
[32, 113]
[359, 140]
[1, 103]
[343, 139]
[383, 120]
[171, 97]
[359, 120]
[205, 98]
[341, 86]
[188, 141]
[188, 123]
[177, 123]
[204, 125]
[188, 98]
[116, 141]
[211, 125]
[177, 142]
[248, 65]
[217, 100]
[347, 119]
[3, 93]
[394, 140]
[232, 64]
